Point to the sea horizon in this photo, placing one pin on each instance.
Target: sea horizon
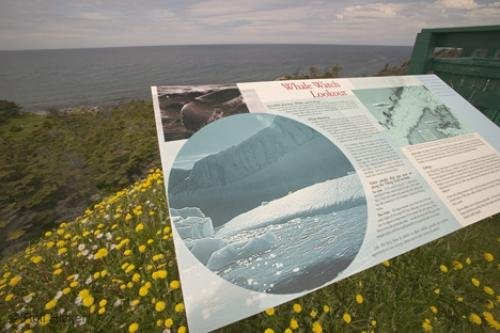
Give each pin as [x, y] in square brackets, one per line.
[39, 79]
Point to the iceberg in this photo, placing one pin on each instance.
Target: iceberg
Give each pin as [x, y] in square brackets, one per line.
[190, 222]
[239, 250]
[335, 194]
[203, 248]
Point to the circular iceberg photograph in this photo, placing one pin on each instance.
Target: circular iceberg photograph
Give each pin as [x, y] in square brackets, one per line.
[267, 203]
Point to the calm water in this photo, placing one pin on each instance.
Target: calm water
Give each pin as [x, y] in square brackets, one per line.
[57, 78]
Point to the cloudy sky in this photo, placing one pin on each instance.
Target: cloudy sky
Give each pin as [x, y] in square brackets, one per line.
[34, 24]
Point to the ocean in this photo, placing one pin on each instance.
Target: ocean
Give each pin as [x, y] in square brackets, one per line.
[42, 79]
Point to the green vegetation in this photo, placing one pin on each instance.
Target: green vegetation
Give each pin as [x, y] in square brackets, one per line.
[55, 165]
[8, 110]
[113, 269]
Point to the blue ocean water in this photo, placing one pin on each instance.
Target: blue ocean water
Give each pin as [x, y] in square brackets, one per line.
[41, 79]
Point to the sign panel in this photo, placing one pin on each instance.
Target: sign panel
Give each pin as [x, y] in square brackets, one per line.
[279, 188]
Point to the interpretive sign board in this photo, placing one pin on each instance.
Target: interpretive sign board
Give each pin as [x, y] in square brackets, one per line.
[278, 188]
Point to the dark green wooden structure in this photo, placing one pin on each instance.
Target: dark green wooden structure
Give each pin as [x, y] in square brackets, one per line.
[466, 58]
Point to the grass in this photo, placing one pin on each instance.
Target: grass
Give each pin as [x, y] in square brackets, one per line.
[113, 269]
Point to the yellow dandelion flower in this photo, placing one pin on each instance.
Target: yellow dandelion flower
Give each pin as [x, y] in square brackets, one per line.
[127, 253]
[57, 271]
[51, 304]
[88, 301]
[123, 286]
[373, 323]
[48, 234]
[136, 277]
[460, 299]
[270, 311]
[128, 217]
[83, 293]
[386, 263]
[443, 268]
[36, 259]
[294, 324]
[297, 308]
[491, 321]
[288, 330]
[143, 291]
[457, 265]
[359, 299]
[44, 320]
[475, 319]
[316, 327]
[346, 317]
[139, 227]
[66, 290]
[182, 329]
[62, 250]
[488, 290]
[166, 230]
[101, 253]
[179, 307]
[132, 328]
[468, 261]
[488, 257]
[15, 280]
[437, 291]
[426, 325]
[157, 257]
[159, 322]
[268, 330]
[129, 268]
[169, 322]
[175, 284]
[104, 273]
[135, 302]
[326, 308]
[74, 284]
[103, 302]
[475, 282]
[434, 309]
[92, 308]
[96, 275]
[160, 306]
[313, 313]
[160, 274]
[9, 297]
[142, 248]
[101, 311]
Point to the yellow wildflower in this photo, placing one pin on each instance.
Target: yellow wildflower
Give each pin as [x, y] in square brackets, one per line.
[136, 277]
[9, 297]
[36, 259]
[426, 325]
[103, 302]
[475, 282]
[294, 324]
[101, 253]
[14, 281]
[373, 323]
[160, 306]
[359, 299]
[270, 311]
[101, 311]
[135, 302]
[128, 217]
[133, 327]
[313, 313]
[51, 304]
[88, 301]
[62, 250]
[268, 330]
[127, 252]
[434, 309]
[468, 261]
[347, 318]
[139, 227]
[386, 263]
[169, 322]
[179, 307]
[66, 290]
[437, 291]
[288, 330]
[488, 257]
[488, 290]
[489, 304]
[143, 291]
[44, 320]
[129, 268]
[316, 327]
[157, 257]
[297, 308]
[175, 284]
[57, 271]
[443, 268]
[491, 321]
[182, 329]
[142, 248]
[475, 319]
[160, 274]
[74, 284]
[326, 308]
[457, 265]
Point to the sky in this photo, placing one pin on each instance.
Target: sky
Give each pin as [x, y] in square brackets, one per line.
[47, 24]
